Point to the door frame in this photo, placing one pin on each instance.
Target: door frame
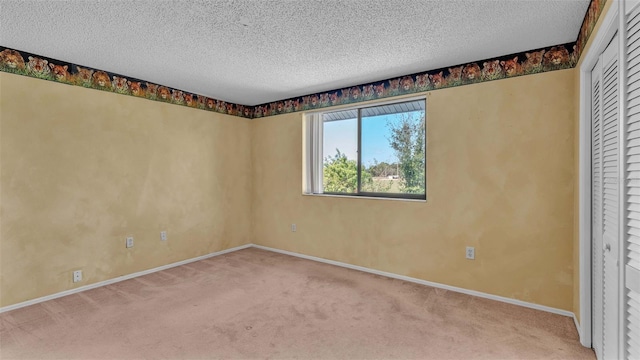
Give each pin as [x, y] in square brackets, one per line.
[601, 39]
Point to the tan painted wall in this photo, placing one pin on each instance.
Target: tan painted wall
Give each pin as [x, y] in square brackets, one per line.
[500, 177]
[576, 164]
[82, 169]
[78, 176]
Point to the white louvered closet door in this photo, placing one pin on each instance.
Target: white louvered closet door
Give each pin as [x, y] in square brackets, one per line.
[611, 195]
[631, 311]
[605, 202]
[596, 195]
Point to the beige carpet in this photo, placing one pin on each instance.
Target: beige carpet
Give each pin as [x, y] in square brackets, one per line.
[255, 304]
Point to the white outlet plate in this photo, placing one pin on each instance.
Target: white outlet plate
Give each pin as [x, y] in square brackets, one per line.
[163, 235]
[471, 253]
[77, 276]
[129, 241]
[294, 228]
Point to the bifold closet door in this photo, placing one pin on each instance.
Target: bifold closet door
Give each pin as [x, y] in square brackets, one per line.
[596, 196]
[606, 202]
[631, 293]
[611, 198]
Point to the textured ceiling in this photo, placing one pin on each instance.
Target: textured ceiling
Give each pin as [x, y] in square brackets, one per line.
[251, 52]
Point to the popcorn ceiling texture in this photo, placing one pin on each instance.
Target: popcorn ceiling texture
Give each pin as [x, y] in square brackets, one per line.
[252, 51]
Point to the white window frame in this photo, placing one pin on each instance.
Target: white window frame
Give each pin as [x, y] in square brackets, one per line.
[313, 162]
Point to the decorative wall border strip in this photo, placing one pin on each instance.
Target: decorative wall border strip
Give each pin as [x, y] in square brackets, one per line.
[24, 63]
[552, 58]
[558, 57]
[590, 18]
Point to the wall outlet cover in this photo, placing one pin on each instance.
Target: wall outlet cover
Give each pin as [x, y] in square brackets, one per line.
[77, 276]
[471, 253]
[129, 241]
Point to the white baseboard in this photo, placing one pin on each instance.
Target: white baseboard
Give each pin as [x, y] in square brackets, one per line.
[424, 282]
[313, 258]
[577, 323]
[118, 279]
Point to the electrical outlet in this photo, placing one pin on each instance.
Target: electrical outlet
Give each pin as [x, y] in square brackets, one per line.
[163, 235]
[471, 253]
[129, 241]
[294, 228]
[77, 276]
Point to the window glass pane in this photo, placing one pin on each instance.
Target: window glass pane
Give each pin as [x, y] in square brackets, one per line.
[393, 148]
[340, 152]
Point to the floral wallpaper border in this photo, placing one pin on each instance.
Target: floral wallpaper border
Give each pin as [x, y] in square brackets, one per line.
[558, 57]
[37, 66]
[591, 17]
[552, 58]
[532, 62]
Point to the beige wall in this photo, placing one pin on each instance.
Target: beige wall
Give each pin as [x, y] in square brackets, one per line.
[500, 177]
[82, 169]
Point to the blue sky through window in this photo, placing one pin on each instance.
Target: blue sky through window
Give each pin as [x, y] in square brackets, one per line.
[343, 135]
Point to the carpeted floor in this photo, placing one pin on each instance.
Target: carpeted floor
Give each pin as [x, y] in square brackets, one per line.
[255, 304]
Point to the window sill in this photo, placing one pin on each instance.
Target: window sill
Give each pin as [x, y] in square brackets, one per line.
[366, 197]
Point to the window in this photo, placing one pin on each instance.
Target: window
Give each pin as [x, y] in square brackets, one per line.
[368, 151]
